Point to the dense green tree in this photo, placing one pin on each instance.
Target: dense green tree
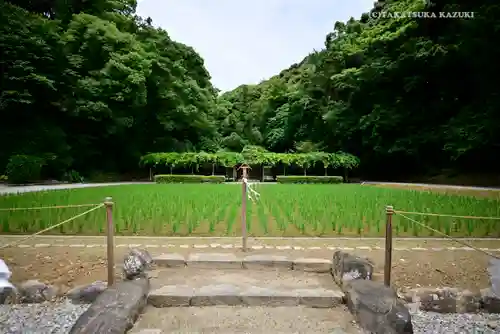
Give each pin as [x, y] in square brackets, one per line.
[405, 94]
[90, 86]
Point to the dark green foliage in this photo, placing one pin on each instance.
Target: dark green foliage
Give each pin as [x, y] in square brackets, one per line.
[92, 87]
[24, 169]
[230, 159]
[309, 179]
[189, 179]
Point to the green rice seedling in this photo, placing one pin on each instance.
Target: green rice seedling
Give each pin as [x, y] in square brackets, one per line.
[195, 209]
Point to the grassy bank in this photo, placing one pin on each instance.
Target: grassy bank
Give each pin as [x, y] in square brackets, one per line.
[284, 210]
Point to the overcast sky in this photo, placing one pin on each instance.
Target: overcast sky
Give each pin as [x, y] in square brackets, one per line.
[245, 42]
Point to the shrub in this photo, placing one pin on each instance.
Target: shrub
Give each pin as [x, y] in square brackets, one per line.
[309, 179]
[189, 179]
[73, 177]
[24, 168]
[3, 178]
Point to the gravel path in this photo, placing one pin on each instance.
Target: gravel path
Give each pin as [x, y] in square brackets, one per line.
[436, 323]
[26, 189]
[44, 318]
[428, 185]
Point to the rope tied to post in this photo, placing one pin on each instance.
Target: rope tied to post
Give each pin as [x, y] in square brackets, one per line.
[253, 195]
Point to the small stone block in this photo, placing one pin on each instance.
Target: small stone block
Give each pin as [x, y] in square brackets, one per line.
[347, 267]
[171, 295]
[490, 302]
[257, 296]
[264, 261]
[218, 294]
[214, 260]
[170, 260]
[319, 298]
[149, 331]
[312, 265]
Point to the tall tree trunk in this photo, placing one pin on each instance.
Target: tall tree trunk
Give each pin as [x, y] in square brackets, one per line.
[213, 169]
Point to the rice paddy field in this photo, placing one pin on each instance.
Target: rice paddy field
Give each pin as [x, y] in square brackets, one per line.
[283, 210]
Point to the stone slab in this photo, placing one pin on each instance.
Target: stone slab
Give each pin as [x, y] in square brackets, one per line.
[266, 261]
[319, 298]
[115, 310]
[217, 294]
[258, 296]
[171, 296]
[312, 265]
[214, 260]
[170, 260]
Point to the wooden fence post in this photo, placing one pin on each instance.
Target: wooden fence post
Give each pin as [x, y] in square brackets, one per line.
[110, 233]
[389, 211]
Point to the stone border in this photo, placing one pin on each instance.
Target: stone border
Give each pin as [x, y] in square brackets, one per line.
[375, 307]
[451, 300]
[258, 247]
[115, 310]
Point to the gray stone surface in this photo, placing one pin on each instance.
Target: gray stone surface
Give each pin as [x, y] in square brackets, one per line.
[312, 265]
[217, 294]
[87, 293]
[376, 307]
[489, 301]
[214, 260]
[347, 267]
[171, 296]
[170, 260]
[320, 298]
[115, 310]
[258, 296]
[266, 261]
[443, 300]
[34, 291]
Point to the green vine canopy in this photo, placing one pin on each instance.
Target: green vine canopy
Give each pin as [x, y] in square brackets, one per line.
[231, 159]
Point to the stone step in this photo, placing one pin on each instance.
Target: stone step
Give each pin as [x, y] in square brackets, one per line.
[231, 261]
[232, 295]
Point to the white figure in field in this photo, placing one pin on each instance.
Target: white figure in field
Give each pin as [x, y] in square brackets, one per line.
[252, 194]
[5, 285]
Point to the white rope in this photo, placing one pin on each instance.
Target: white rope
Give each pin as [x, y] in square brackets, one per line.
[252, 194]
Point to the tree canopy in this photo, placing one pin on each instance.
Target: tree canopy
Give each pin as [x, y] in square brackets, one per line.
[89, 85]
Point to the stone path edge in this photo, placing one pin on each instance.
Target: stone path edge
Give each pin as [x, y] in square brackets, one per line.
[256, 247]
[231, 261]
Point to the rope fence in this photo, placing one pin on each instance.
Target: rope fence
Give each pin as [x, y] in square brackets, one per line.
[390, 212]
[108, 204]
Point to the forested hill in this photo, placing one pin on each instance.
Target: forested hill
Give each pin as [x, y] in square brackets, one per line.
[90, 86]
[406, 95]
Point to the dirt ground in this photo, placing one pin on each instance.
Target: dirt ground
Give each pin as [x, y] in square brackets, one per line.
[68, 266]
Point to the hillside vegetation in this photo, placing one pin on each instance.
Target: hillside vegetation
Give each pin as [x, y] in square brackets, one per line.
[90, 86]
